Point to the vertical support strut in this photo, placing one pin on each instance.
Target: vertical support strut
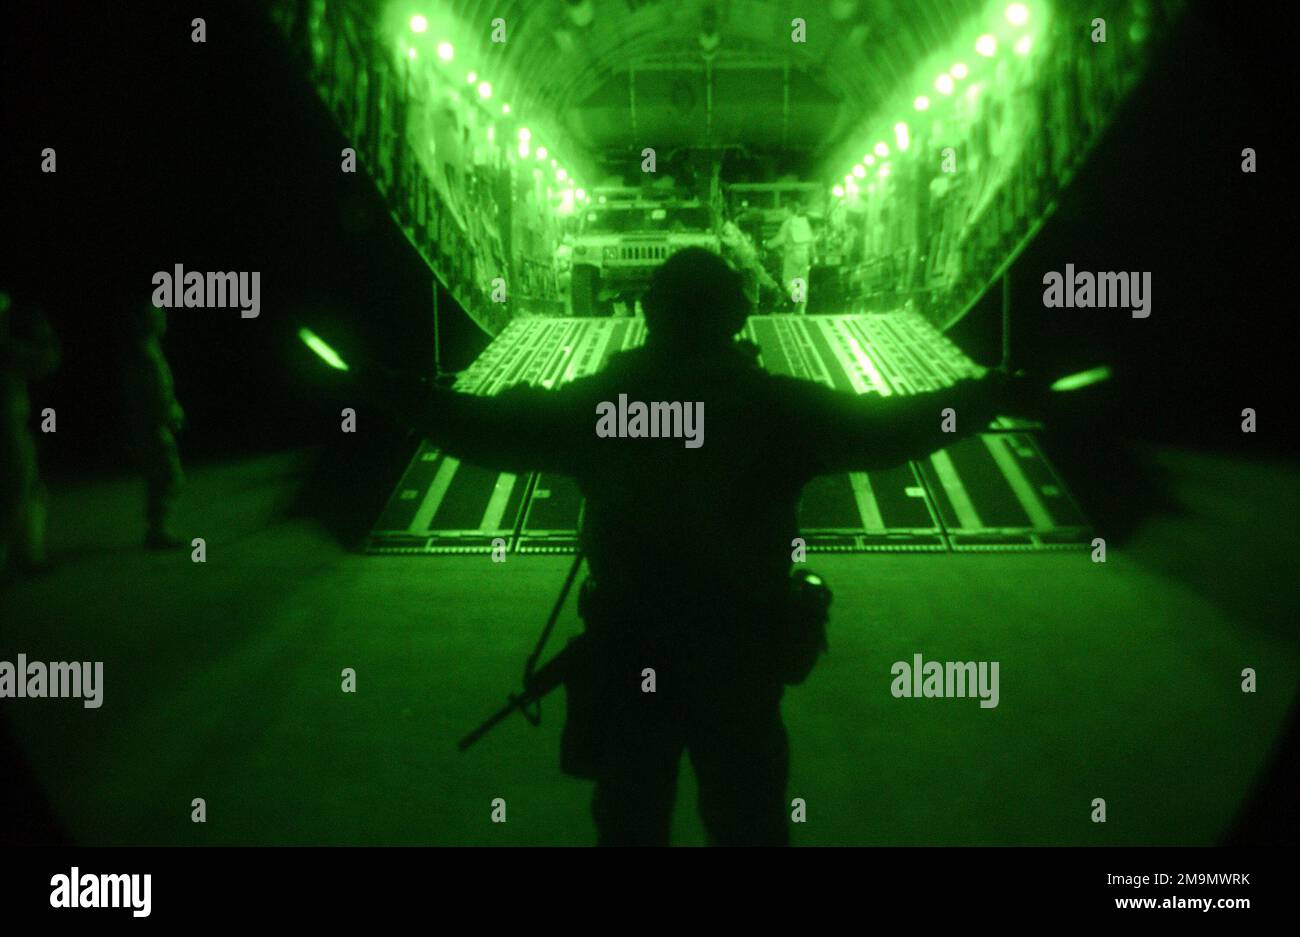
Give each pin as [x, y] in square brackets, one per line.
[437, 334]
[1006, 320]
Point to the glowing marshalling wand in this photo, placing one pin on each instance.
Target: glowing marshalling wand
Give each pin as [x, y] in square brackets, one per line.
[1082, 379]
[323, 351]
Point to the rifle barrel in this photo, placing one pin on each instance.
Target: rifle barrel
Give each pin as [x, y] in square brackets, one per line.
[543, 682]
[490, 723]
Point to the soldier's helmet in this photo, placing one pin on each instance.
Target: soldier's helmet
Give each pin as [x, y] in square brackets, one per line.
[695, 300]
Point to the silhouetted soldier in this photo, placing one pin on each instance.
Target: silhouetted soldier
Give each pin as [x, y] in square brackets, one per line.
[28, 351]
[690, 548]
[153, 417]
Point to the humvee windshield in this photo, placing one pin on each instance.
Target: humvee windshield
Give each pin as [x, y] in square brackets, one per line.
[623, 220]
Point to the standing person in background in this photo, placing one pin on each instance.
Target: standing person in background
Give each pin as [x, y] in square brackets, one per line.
[795, 241]
[740, 250]
[153, 418]
[29, 350]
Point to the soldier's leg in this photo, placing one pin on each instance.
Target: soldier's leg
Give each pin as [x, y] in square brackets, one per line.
[17, 479]
[30, 548]
[163, 480]
[633, 801]
[11, 502]
[741, 757]
[637, 783]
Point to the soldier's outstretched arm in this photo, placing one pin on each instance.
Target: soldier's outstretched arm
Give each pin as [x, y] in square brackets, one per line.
[844, 432]
[521, 429]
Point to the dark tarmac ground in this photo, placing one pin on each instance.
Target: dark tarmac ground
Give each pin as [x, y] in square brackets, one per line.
[222, 681]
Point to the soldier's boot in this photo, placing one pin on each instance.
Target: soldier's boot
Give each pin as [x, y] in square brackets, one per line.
[159, 535]
[163, 478]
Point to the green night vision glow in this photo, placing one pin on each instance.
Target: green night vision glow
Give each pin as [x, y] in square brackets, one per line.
[1082, 379]
[323, 351]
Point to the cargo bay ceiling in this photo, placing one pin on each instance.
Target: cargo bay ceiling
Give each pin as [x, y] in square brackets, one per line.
[939, 131]
[624, 74]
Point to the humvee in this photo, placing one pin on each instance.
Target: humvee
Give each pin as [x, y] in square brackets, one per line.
[620, 243]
